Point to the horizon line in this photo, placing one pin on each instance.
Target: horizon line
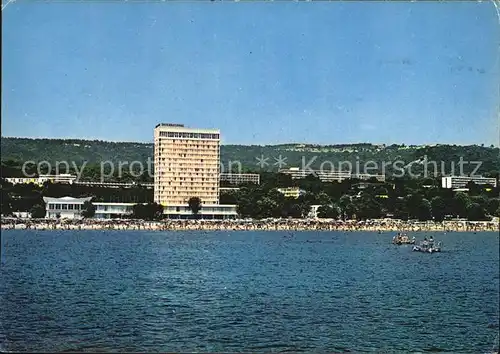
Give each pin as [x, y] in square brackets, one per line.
[485, 145]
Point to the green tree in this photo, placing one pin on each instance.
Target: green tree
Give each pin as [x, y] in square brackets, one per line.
[266, 208]
[460, 204]
[424, 211]
[475, 212]
[88, 209]
[148, 211]
[245, 200]
[328, 212]
[474, 189]
[492, 206]
[350, 211]
[438, 208]
[5, 201]
[367, 207]
[304, 207]
[346, 207]
[37, 211]
[229, 197]
[194, 204]
[323, 199]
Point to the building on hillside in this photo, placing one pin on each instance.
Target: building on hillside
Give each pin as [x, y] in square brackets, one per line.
[60, 178]
[291, 192]
[23, 180]
[330, 176]
[65, 207]
[115, 184]
[365, 185]
[186, 164]
[454, 182]
[240, 178]
[40, 180]
[228, 189]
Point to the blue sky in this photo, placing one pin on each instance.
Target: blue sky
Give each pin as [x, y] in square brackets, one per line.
[261, 72]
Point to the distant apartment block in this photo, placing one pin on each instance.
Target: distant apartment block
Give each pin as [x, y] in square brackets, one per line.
[461, 181]
[61, 178]
[232, 178]
[229, 189]
[23, 180]
[240, 178]
[186, 164]
[114, 184]
[330, 176]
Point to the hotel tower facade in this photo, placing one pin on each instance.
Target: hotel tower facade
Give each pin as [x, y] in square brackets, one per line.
[186, 164]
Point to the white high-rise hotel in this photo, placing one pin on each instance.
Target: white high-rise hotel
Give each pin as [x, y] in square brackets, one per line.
[186, 164]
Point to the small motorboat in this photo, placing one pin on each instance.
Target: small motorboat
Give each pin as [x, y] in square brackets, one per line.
[428, 247]
[402, 240]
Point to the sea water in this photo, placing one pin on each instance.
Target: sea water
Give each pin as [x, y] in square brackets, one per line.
[246, 291]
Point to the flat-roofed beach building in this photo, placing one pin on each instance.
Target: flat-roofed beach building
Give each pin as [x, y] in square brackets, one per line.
[112, 210]
[65, 207]
[208, 211]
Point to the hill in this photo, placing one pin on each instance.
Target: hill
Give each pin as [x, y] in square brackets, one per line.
[14, 151]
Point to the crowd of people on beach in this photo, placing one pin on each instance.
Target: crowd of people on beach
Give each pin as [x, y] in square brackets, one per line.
[268, 224]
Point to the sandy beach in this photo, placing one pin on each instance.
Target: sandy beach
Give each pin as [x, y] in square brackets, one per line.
[233, 225]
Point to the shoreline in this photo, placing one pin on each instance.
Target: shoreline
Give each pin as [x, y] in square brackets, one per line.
[256, 225]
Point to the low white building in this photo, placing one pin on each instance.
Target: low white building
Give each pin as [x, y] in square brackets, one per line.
[104, 210]
[207, 211]
[461, 181]
[64, 208]
[71, 208]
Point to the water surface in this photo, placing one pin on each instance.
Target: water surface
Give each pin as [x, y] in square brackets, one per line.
[246, 291]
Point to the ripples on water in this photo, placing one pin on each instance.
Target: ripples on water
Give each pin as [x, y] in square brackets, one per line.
[246, 291]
